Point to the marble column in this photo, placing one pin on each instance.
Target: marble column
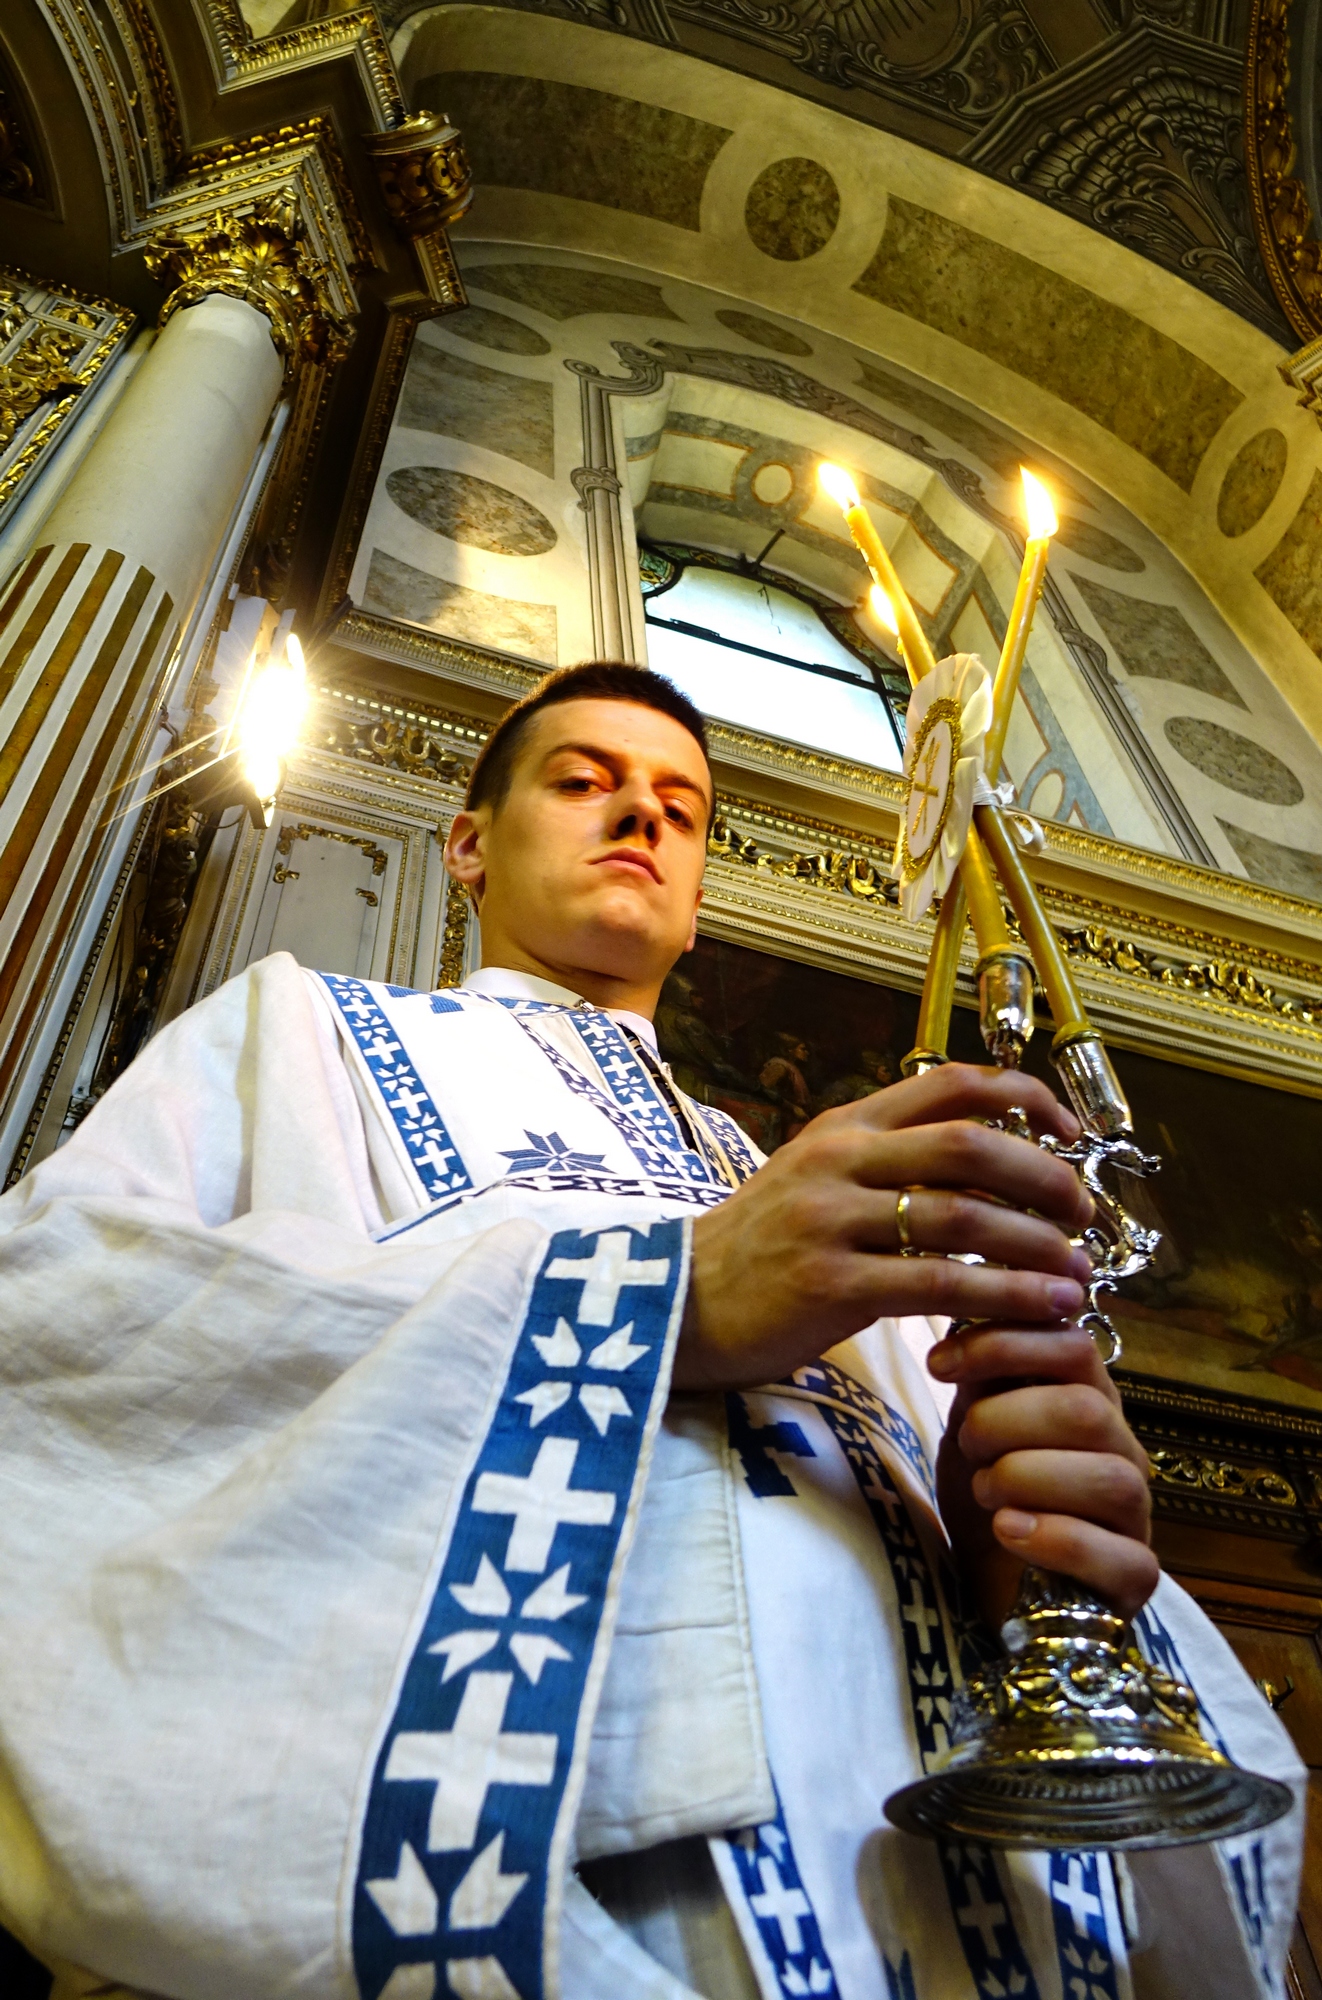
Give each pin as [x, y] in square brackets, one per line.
[89, 624]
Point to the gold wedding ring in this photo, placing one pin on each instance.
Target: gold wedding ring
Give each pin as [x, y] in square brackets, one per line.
[908, 1248]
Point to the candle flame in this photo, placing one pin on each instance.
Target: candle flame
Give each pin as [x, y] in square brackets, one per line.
[837, 482]
[883, 610]
[273, 712]
[1042, 522]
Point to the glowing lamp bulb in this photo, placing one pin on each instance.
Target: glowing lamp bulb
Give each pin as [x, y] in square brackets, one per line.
[1037, 505]
[883, 610]
[834, 480]
[272, 717]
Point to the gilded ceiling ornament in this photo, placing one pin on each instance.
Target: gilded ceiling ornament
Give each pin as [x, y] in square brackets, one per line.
[38, 373]
[427, 184]
[263, 258]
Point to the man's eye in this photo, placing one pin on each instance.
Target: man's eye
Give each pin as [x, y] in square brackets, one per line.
[679, 816]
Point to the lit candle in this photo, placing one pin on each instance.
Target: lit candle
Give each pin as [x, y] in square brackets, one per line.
[891, 608]
[1041, 527]
[919, 657]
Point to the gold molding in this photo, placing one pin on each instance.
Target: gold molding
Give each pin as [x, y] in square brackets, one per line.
[1191, 1471]
[133, 175]
[239, 160]
[1283, 221]
[454, 936]
[239, 57]
[438, 747]
[169, 130]
[413, 645]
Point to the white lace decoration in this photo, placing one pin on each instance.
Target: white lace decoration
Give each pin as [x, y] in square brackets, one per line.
[949, 713]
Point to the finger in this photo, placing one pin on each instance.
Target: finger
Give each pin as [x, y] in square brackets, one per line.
[964, 1156]
[1102, 1487]
[963, 1090]
[1000, 1354]
[1118, 1568]
[965, 1225]
[864, 1286]
[1069, 1416]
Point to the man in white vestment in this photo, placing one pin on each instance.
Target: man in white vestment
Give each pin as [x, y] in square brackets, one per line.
[471, 1527]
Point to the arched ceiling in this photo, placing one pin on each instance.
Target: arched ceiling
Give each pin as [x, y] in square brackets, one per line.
[1158, 394]
[1126, 116]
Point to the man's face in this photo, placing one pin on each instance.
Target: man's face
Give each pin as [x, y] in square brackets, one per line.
[592, 863]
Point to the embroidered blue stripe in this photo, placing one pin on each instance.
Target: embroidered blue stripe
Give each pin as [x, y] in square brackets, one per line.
[777, 1901]
[561, 1183]
[899, 1979]
[1245, 1859]
[1083, 1944]
[731, 1135]
[824, 1380]
[627, 1079]
[471, 1805]
[1157, 1645]
[653, 1159]
[979, 1904]
[1247, 1872]
[433, 1154]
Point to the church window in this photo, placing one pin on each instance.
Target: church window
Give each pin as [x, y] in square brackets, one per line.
[756, 648]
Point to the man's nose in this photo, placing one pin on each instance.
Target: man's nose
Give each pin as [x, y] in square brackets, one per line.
[638, 812]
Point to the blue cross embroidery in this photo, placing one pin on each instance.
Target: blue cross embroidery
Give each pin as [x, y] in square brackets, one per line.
[765, 1478]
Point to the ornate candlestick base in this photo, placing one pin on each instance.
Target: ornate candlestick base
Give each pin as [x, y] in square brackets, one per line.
[1075, 1740]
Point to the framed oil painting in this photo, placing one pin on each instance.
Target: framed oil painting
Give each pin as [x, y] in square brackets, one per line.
[1233, 1304]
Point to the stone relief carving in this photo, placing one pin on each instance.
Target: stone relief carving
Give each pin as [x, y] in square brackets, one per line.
[1148, 146]
[964, 61]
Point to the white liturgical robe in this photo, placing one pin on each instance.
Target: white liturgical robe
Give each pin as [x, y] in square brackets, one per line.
[360, 1581]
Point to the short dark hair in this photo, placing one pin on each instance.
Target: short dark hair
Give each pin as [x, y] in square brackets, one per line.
[595, 680]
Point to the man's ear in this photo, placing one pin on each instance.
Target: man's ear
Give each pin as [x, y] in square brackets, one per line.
[693, 927]
[465, 857]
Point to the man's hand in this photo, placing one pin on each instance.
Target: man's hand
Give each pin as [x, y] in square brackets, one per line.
[806, 1252]
[1039, 1466]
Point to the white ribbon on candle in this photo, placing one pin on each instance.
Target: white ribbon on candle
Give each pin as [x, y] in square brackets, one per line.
[1028, 831]
[949, 713]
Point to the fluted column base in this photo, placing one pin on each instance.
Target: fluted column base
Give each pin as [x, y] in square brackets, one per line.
[86, 637]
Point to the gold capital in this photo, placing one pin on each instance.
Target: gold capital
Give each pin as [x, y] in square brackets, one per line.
[262, 257]
[426, 183]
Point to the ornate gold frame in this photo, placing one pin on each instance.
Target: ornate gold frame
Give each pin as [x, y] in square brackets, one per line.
[92, 330]
[1282, 217]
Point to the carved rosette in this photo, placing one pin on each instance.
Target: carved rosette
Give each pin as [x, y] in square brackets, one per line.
[263, 258]
[427, 184]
